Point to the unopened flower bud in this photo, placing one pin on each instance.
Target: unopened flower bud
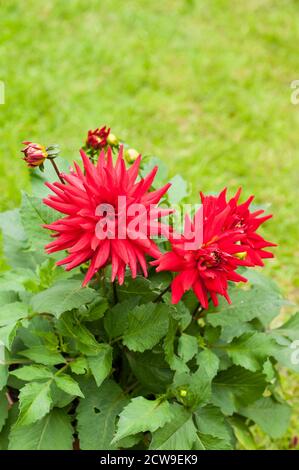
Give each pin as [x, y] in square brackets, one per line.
[183, 392]
[97, 139]
[131, 155]
[34, 154]
[241, 255]
[112, 140]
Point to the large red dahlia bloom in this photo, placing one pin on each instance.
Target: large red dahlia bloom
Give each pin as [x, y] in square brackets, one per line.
[97, 227]
[222, 236]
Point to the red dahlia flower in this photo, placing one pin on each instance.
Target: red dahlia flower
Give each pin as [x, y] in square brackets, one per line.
[212, 262]
[97, 139]
[248, 222]
[34, 154]
[96, 226]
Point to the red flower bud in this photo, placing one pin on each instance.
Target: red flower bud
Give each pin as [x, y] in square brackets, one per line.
[97, 139]
[34, 154]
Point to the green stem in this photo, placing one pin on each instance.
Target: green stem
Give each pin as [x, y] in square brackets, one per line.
[160, 296]
[56, 170]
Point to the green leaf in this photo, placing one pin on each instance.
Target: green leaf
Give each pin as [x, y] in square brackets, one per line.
[11, 313]
[15, 242]
[79, 366]
[272, 417]
[192, 390]
[139, 287]
[62, 297]
[251, 350]
[208, 442]
[34, 402]
[3, 408]
[96, 414]
[150, 318]
[42, 355]
[178, 434]
[68, 384]
[53, 432]
[181, 314]
[288, 353]
[3, 367]
[34, 214]
[116, 319]
[235, 387]
[156, 376]
[290, 329]
[178, 190]
[70, 326]
[208, 362]
[187, 347]
[34, 372]
[176, 363]
[256, 302]
[101, 364]
[242, 433]
[210, 420]
[142, 415]
[96, 310]
[8, 333]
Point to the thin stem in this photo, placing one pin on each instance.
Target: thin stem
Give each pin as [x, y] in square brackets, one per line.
[157, 299]
[56, 170]
[115, 292]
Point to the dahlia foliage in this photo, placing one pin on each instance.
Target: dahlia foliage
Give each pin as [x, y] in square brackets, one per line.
[121, 330]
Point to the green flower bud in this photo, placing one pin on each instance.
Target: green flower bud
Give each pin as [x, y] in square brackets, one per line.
[131, 155]
[112, 140]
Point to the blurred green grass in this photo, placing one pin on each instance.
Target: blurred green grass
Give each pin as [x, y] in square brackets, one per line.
[203, 85]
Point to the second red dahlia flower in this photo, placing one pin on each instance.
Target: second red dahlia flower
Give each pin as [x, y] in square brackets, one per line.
[221, 237]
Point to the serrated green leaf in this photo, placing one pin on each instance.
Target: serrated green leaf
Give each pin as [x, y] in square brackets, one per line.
[140, 287]
[175, 363]
[208, 362]
[70, 326]
[34, 372]
[290, 329]
[210, 420]
[181, 314]
[235, 387]
[116, 319]
[272, 417]
[242, 433]
[156, 376]
[178, 434]
[53, 432]
[3, 367]
[62, 297]
[8, 333]
[192, 389]
[79, 366]
[152, 318]
[251, 350]
[95, 310]
[12, 312]
[15, 243]
[42, 355]
[34, 402]
[142, 415]
[34, 214]
[3, 408]
[101, 364]
[256, 302]
[187, 347]
[96, 414]
[68, 384]
[208, 442]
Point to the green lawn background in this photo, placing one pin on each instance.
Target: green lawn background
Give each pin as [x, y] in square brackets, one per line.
[205, 85]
